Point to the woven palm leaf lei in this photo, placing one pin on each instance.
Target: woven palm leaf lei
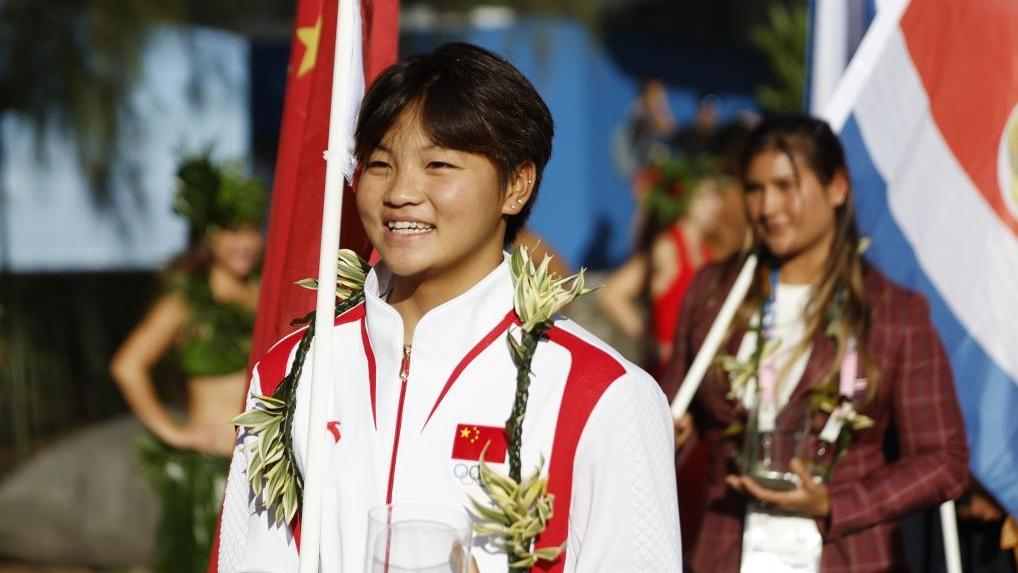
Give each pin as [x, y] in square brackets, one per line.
[272, 467]
[519, 509]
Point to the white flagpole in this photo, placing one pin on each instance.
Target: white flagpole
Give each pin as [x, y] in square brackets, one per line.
[949, 529]
[830, 49]
[715, 336]
[345, 99]
[860, 68]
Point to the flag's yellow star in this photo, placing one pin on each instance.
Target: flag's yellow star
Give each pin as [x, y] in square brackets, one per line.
[464, 433]
[308, 35]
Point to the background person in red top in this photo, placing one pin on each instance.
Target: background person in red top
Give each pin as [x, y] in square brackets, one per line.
[692, 217]
[799, 201]
[665, 270]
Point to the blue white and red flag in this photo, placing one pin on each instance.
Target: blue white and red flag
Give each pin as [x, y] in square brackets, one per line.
[928, 113]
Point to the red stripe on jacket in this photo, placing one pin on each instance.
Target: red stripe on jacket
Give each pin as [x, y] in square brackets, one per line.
[272, 367]
[591, 372]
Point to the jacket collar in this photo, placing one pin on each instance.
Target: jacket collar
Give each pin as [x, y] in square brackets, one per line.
[449, 330]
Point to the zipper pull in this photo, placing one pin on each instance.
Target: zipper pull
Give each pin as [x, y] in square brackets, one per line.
[404, 367]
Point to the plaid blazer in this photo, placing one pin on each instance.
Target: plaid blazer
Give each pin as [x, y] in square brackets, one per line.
[915, 404]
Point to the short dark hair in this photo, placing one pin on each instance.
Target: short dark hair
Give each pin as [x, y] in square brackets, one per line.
[468, 99]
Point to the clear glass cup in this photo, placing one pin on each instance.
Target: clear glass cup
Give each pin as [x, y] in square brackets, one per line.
[767, 456]
[418, 538]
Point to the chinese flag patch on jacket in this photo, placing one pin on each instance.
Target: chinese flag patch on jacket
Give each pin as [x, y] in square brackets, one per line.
[470, 440]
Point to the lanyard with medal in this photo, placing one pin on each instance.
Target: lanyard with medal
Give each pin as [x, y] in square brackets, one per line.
[775, 540]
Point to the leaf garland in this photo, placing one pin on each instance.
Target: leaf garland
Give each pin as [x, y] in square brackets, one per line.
[351, 272]
[518, 513]
[523, 507]
[825, 397]
[666, 187]
[538, 294]
[272, 467]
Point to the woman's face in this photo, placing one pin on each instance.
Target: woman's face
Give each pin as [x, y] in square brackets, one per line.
[792, 217]
[238, 250]
[432, 211]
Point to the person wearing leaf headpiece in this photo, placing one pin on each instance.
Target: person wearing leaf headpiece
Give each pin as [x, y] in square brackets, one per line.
[206, 317]
[455, 382]
[688, 224]
[827, 361]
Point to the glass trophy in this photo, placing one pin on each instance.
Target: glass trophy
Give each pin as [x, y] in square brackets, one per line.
[768, 450]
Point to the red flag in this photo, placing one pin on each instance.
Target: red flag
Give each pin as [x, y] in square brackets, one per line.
[295, 218]
[470, 440]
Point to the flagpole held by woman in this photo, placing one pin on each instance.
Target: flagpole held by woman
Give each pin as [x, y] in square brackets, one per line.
[347, 90]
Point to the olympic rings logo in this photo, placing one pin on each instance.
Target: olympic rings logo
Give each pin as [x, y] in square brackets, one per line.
[467, 474]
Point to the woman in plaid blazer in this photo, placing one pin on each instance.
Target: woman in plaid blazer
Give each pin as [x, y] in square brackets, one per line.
[799, 201]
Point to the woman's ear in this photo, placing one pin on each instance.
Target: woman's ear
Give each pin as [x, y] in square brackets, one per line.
[837, 190]
[519, 189]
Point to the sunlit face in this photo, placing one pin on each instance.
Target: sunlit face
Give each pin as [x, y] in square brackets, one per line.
[237, 250]
[430, 211]
[791, 216]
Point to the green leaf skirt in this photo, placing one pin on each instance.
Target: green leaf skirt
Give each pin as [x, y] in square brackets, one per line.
[190, 487]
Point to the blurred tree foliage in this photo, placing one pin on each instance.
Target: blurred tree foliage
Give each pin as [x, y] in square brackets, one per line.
[783, 40]
[68, 67]
[69, 64]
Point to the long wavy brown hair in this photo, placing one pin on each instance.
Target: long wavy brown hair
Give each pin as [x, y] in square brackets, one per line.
[809, 143]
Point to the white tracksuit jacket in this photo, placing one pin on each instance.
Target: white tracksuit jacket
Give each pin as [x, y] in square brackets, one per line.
[601, 423]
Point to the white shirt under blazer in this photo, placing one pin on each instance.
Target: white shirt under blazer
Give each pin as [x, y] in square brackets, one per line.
[602, 424]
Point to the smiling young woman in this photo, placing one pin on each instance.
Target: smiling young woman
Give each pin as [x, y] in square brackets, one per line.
[437, 216]
[833, 322]
[451, 146]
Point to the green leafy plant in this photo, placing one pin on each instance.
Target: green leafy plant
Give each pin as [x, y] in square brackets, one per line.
[783, 41]
[70, 64]
[667, 187]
